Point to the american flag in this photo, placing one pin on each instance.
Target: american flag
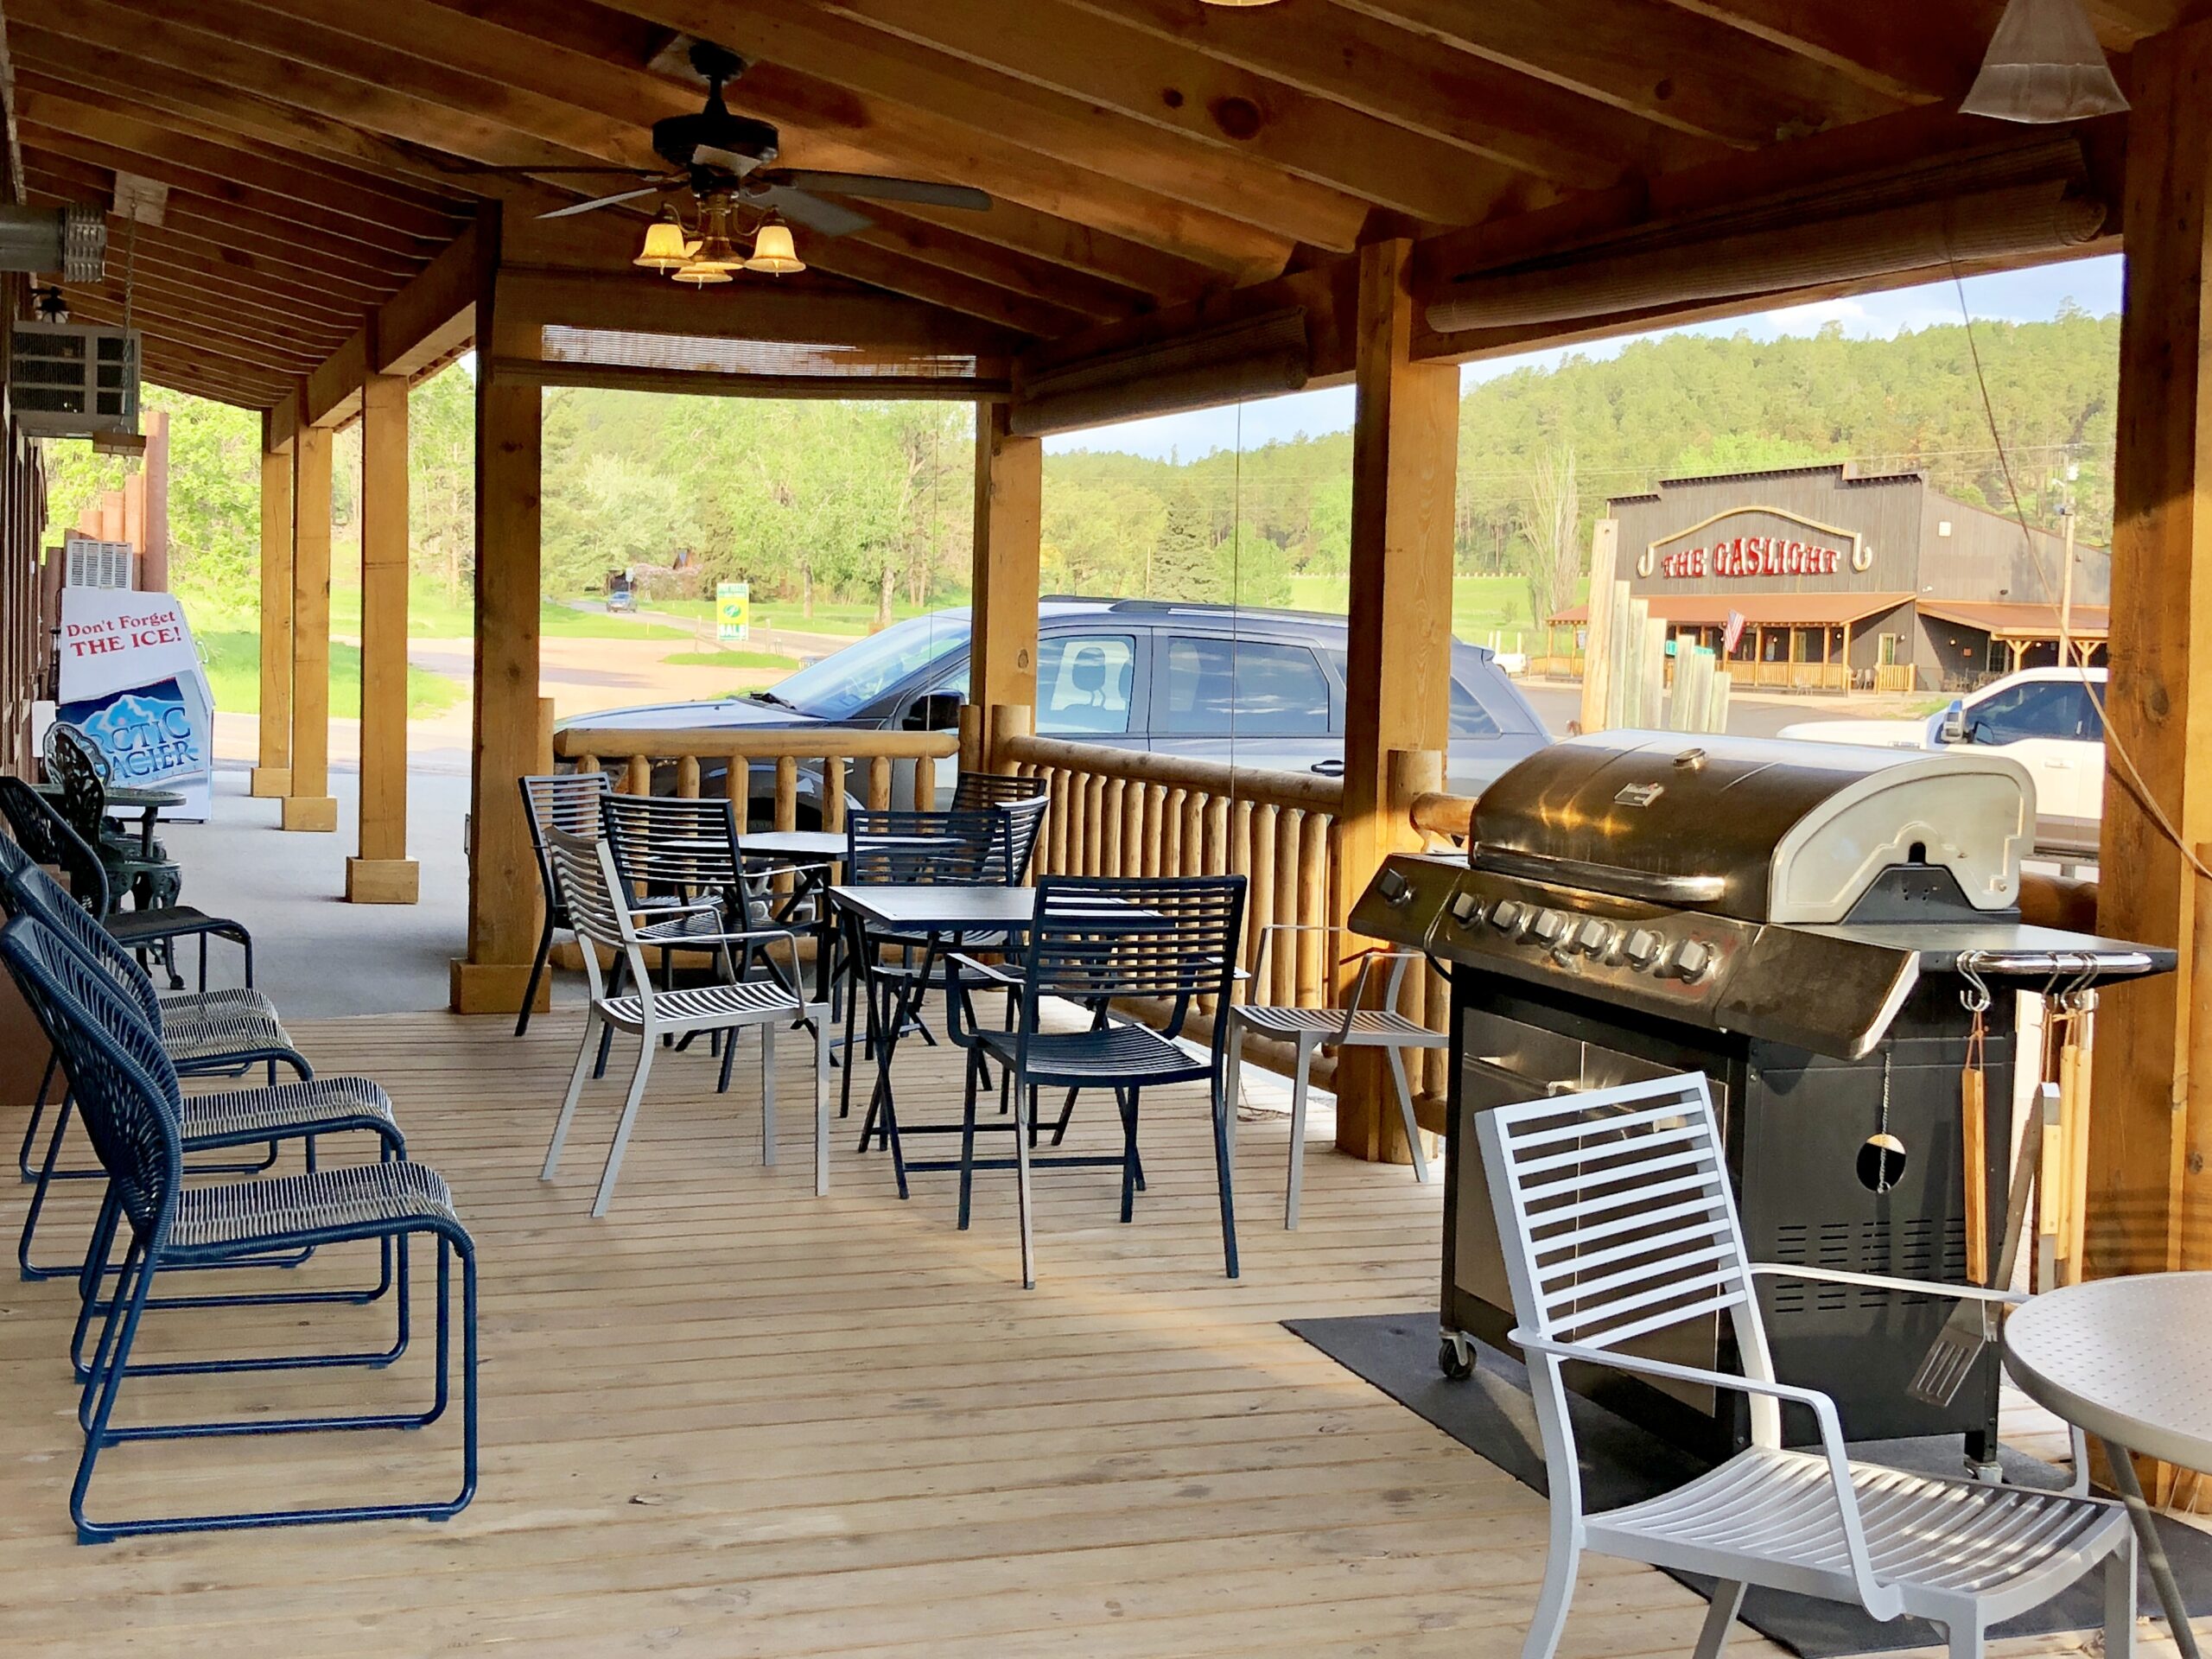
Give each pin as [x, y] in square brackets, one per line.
[1735, 631]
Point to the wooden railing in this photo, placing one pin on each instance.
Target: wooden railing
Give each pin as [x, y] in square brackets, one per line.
[885, 760]
[1127, 812]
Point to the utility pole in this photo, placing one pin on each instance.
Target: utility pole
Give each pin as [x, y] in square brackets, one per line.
[2066, 587]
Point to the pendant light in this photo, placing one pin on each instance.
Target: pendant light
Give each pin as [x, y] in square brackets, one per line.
[667, 247]
[2044, 65]
[772, 250]
[715, 258]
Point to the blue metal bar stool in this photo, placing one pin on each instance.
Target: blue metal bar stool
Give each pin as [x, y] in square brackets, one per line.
[127, 1093]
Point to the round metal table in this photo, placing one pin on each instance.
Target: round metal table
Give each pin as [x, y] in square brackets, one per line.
[2129, 1361]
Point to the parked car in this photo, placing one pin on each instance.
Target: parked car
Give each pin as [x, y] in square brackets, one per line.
[2050, 720]
[1263, 688]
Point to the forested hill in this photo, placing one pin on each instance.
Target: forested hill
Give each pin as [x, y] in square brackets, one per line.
[870, 501]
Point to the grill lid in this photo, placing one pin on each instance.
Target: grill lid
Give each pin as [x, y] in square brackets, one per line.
[1756, 828]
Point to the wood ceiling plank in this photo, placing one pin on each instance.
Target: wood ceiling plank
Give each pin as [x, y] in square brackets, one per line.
[239, 367]
[1648, 57]
[950, 248]
[104, 303]
[1166, 277]
[1077, 215]
[1103, 62]
[1912, 53]
[1412, 80]
[797, 36]
[242, 178]
[219, 280]
[264, 311]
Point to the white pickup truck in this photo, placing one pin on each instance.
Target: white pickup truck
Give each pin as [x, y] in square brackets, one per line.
[2050, 720]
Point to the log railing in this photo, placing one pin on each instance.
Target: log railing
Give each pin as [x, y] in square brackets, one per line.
[1127, 812]
[872, 768]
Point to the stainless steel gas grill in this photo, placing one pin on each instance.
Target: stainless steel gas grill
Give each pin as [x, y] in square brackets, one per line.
[1799, 922]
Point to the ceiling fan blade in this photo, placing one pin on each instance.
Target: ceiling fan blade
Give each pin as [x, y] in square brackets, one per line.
[729, 160]
[876, 186]
[824, 218]
[575, 207]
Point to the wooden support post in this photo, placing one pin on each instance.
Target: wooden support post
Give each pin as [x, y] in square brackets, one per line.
[1597, 660]
[504, 903]
[273, 777]
[1405, 460]
[2150, 1195]
[381, 872]
[1009, 508]
[310, 806]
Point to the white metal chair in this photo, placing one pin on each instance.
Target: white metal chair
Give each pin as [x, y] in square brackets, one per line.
[600, 909]
[1616, 1221]
[1353, 1026]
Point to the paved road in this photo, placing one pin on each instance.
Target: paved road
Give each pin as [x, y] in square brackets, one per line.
[1558, 703]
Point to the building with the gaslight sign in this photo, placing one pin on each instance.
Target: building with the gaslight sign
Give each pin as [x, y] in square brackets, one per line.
[1829, 576]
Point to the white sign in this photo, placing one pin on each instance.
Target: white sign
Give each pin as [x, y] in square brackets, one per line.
[114, 640]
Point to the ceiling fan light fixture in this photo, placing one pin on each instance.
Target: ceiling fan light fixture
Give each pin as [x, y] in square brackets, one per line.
[666, 247]
[2044, 65]
[700, 275]
[773, 250]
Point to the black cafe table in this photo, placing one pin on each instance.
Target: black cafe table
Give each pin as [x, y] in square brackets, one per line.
[150, 803]
[941, 912]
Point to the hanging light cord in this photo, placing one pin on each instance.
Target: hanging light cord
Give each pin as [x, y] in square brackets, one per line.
[2131, 774]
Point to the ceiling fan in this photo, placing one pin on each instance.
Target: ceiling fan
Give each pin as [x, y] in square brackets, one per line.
[724, 161]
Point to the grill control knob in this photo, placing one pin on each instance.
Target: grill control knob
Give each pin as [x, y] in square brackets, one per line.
[1694, 961]
[1505, 915]
[1594, 937]
[1549, 927]
[1466, 910]
[1642, 947]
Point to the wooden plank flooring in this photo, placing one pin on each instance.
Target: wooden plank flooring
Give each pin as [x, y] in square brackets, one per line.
[731, 1419]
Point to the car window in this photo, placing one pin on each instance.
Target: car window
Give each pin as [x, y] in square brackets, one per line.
[1084, 682]
[1242, 687]
[1469, 717]
[2046, 709]
[847, 681]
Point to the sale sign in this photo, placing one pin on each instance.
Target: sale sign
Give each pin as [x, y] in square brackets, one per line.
[114, 639]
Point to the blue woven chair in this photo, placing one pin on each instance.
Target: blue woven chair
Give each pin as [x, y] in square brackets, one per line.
[1094, 940]
[128, 1094]
[204, 1033]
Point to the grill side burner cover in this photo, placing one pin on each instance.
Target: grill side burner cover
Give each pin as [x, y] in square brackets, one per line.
[1759, 829]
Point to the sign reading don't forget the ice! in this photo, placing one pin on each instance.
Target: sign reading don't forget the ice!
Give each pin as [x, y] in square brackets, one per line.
[112, 639]
[130, 678]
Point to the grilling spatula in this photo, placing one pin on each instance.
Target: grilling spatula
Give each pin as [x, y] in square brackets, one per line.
[1972, 1325]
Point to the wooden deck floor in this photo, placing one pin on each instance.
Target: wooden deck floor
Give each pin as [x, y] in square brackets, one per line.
[732, 1420]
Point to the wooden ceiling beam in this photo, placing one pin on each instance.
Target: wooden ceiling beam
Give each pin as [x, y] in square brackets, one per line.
[226, 282]
[233, 363]
[222, 114]
[262, 316]
[1126, 233]
[1914, 54]
[1072, 246]
[1188, 95]
[218, 336]
[1650, 58]
[89, 137]
[950, 248]
[795, 34]
[1413, 81]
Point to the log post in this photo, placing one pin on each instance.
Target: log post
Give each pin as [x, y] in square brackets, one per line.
[310, 805]
[1009, 508]
[381, 872]
[504, 903]
[2150, 1191]
[273, 777]
[1405, 460]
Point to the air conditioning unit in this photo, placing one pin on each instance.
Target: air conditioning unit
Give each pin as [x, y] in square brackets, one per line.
[72, 381]
[88, 563]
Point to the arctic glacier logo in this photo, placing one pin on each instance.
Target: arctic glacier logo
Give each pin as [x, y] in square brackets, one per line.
[145, 735]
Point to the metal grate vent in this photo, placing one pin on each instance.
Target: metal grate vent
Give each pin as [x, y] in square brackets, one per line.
[1917, 1248]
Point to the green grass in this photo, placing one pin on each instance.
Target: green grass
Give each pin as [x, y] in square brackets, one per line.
[234, 676]
[730, 659]
[831, 616]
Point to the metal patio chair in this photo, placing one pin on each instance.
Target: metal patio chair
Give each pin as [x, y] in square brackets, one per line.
[963, 847]
[127, 1093]
[602, 914]
[47, 837]
[1353, 1026]
[1616, 1221]
[566, 800]
[1095, 939]
[203, 1033]
[75, 765]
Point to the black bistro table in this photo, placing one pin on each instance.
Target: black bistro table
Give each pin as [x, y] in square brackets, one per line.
[148, 804]
[810, 854]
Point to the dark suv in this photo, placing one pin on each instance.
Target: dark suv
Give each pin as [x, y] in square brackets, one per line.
[1260, 687]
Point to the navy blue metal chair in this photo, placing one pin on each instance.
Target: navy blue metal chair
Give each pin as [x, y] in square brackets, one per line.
[204, 1033]
[1094, 940]
[128, 1094]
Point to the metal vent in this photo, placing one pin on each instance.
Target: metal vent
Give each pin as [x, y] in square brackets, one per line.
[72, 381]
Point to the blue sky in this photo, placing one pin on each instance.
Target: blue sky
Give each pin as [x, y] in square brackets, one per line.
[2015, 296]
